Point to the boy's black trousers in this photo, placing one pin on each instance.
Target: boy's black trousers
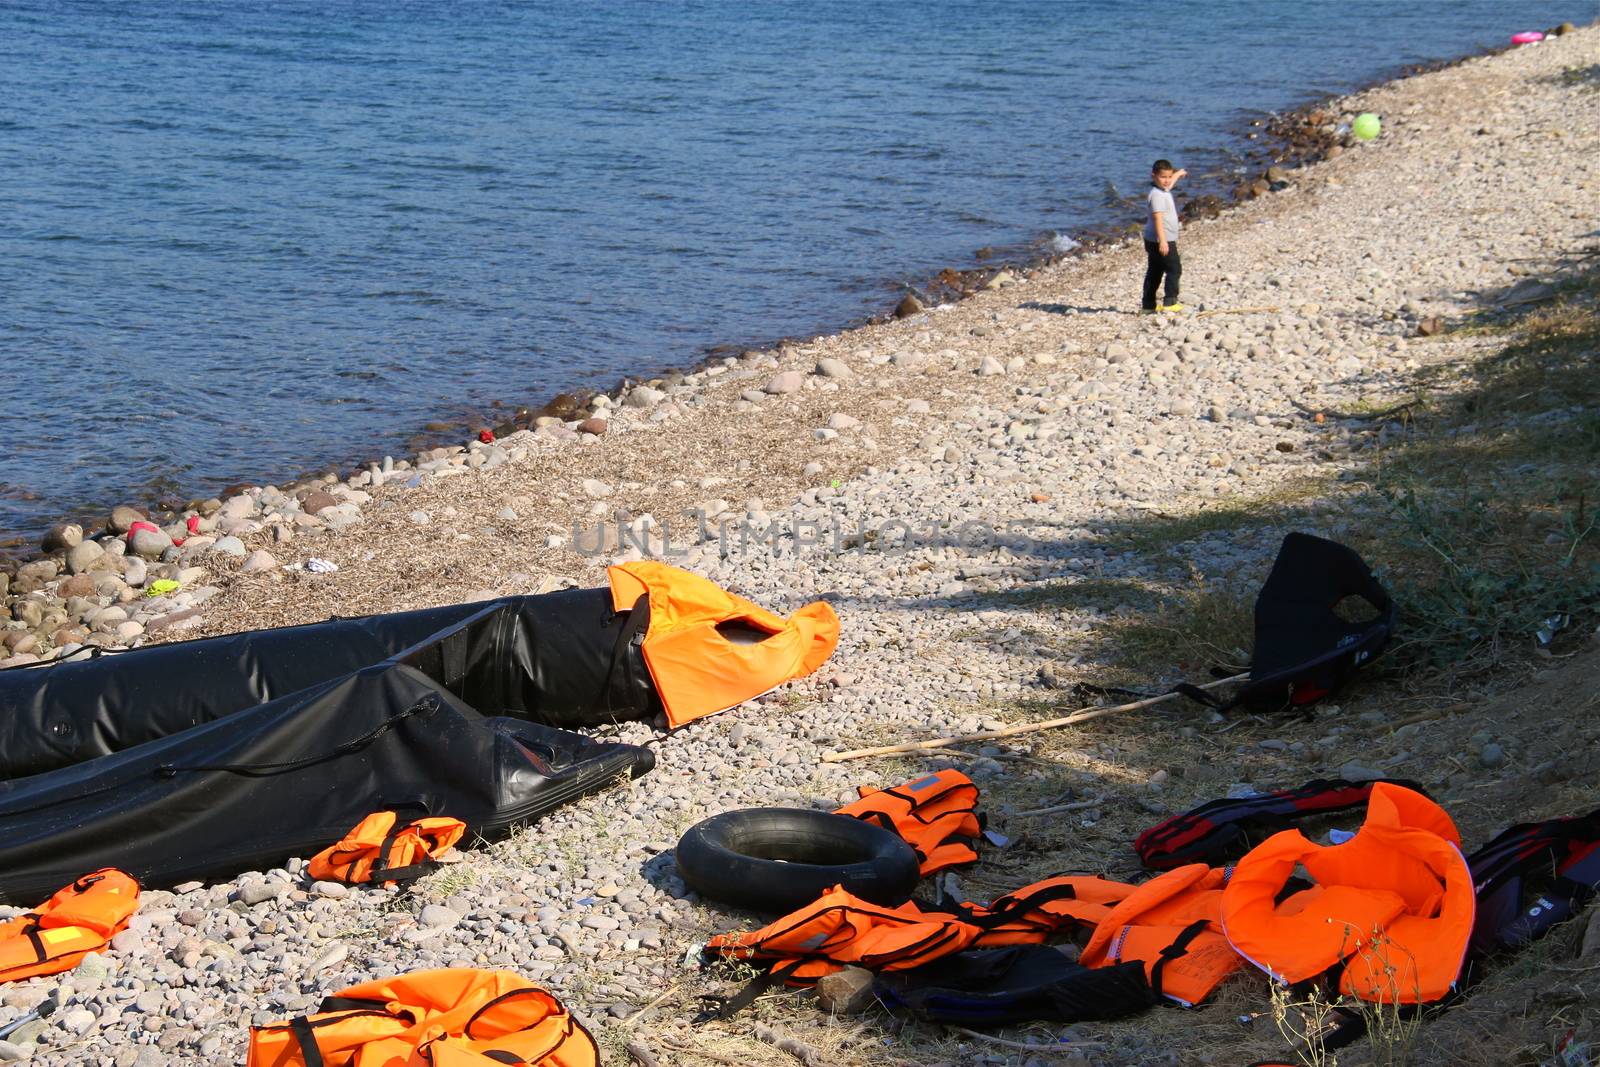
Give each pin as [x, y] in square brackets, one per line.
[1168, 266]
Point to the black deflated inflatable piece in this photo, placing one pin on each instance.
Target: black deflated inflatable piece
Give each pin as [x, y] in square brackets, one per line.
[206, 758]
[563, 659]
[779, 859]
[993, 987]
[289, 777]
[1304, 649]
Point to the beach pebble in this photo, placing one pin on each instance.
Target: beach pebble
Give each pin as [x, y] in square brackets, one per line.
[834, 368]
[257, 561]
[84, 555]
[1492, 756]
[989, 366]
[437, 916]
[149, 543]
[787, 382]
[840, 421]
[642, 396]
[593, 426]
[595, 489]
[420, 517]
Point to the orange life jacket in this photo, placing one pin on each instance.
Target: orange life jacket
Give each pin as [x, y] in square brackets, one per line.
[78, 920]
[379, 848]
[1173, 925]
[1036, 912]
[935, 814]
[839, 929]
[1394, 904]
[693, 646]
[459, 1017]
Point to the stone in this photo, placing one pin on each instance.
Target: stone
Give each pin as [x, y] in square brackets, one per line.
[643, 396]
[77, 585]
[334, 890]
[1492, 756]
[257, 561]
[420, 517]
[318, 502]
[834, 368]
[840, 421]
[12, 1053]
[331, 958]
[846, 992]
[990, 367]
[1590, 946]
[61, 537]
[79, 1020]
[438, 916]
[595, 489]
[788, 381]
[229, 546]
[149, 543]
[909, 305]
[1356, 772]
[594, 426]
[253, 893]
[122, 519]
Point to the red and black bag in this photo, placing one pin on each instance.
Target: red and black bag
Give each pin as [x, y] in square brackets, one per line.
[1221, 831]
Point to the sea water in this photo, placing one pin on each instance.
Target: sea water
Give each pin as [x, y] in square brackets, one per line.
[240, 240]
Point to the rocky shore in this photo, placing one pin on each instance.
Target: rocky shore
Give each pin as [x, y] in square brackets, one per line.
[929, 476]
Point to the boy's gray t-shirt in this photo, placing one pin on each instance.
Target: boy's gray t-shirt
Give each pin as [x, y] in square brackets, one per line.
[1161, 200]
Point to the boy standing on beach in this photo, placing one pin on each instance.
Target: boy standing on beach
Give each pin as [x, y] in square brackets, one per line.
[1161, 229]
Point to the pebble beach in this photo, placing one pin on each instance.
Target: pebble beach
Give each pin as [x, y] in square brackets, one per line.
[926, 475]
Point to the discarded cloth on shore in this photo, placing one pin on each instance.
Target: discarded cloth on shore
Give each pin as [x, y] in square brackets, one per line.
[460, 1017]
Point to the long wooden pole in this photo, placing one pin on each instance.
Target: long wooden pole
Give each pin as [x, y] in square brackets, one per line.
[1083, 715]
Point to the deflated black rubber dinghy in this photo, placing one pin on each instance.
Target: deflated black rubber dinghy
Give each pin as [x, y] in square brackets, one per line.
[206, 758]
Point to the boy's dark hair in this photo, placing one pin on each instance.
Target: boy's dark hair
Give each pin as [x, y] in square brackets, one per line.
[1161, 166]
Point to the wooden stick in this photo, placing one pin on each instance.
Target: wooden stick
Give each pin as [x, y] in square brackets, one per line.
[641, 1055]
[792, 1045]
[630, 1020]
[1079, 805]
[1083, 715]
[1060, 1046]
[707, 1053]
[1239, 311]
[1332, 414]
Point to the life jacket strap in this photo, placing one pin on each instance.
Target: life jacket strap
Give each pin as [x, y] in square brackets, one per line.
[306, 1038]
[1178, 948]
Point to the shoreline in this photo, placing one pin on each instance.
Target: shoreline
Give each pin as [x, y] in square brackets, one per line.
[1040, 406]
[1287, 137]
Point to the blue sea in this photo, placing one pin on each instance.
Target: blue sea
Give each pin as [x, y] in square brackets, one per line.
[245, 240]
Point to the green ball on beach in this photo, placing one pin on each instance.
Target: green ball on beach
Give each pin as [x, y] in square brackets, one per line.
[1366, 126]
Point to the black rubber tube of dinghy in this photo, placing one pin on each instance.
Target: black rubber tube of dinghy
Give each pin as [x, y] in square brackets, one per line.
[779, 859]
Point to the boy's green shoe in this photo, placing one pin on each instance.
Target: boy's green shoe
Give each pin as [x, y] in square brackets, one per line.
[1171, 307]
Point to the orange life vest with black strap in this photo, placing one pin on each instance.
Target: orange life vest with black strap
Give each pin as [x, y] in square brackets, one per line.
[840, 929]
[458, 1017]
[707, 649]
[381, 848]
[79, 919]
[1392, 907]
[935, 814]
[1045, 908]
[1173, 925]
